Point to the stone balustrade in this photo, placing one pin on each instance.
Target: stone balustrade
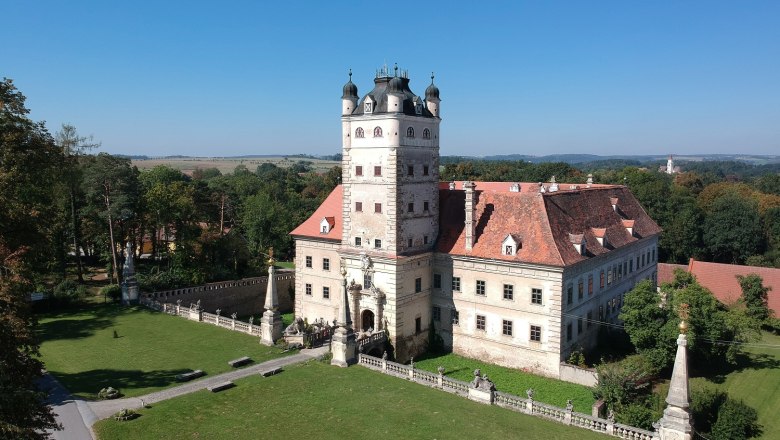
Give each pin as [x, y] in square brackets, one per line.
[515, 403]
[201, 316]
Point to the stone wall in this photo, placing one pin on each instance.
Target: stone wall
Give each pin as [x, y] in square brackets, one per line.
[582, 376]
[244, 297]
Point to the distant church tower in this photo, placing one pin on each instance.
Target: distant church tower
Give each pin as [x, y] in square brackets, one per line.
[670, 165]
[390, 182]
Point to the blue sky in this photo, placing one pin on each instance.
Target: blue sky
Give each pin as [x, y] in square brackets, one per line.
[231, 78]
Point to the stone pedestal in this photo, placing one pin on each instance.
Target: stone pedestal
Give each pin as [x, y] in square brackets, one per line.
[481, 396]
[130, 292]
[195, 315]
[270, 327]
[675, 424]
[343, 347]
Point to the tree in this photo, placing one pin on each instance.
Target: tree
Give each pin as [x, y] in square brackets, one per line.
[73, 146]
[755, 296]
[646, 322]
[28, 169]
[111, 187]
[732, 229]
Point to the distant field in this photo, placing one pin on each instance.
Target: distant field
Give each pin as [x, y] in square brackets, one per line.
[226, 165]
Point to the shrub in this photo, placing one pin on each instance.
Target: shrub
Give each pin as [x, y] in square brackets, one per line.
[108, 393]
[637, 415]
[68, 291]
[704, 408]
[736, 421]
[625, 382]
[112, 291]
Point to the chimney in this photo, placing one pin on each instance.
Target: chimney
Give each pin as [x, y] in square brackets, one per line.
[614, 202]
[468, 186]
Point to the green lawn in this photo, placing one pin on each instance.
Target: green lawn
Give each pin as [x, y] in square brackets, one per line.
[756, 381]
[319, 401]
[546, 390]
[78, 347]
[285, 264]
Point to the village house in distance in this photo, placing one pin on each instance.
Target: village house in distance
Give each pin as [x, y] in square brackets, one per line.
[516, 274]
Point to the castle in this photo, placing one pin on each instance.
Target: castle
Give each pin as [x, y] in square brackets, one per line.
[518, 274]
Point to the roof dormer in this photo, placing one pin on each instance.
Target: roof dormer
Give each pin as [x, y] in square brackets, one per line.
[327, 224]
[601, 235]
[368, 104]
[629, 225]
[511, 244]
[578, 240]
[614, 202]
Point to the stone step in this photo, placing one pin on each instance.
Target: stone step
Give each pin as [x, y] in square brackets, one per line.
[240, 361]
[220, 386]
[184, 377]
[271, 372]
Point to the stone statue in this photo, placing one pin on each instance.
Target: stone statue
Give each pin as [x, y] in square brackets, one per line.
[295, 328]
[251, 320]
[178, 302]
[569, 405]
[486, 384]
[384, 355]
[440, 370]
[197, 305]
[219, 311]
[611, 416]
[530, 393]
[234, 315]
[477, 379]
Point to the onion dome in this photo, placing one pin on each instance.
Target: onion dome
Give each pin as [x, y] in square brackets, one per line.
[432, 92]
[350, 89]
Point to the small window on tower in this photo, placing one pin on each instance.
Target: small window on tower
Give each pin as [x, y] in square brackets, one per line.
[410, 207]
[425, 206]
[358, 206]
[377, 170]
[425, 170]
[358, 170]
[377, 132]
[410, 132]
[426, 134]
[378, 243]
[410, 243]
[359, 133]
[378, 208]
[358, 241]
[410, 170]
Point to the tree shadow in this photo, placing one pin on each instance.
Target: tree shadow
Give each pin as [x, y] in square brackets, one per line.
[717, 373]
[86, 384]
[67, 324]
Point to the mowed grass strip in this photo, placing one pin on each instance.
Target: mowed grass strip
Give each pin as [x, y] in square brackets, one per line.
[78, 347]
[316, 400]
[756, 381]
[546, 390]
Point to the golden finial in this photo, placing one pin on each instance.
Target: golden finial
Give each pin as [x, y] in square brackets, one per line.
[683, 316]
[271, 260]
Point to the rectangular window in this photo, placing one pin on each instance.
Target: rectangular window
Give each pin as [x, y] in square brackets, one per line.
[601, 313]
[480, 287]
[410, 170]
[481, 322]
[326, 292]
[308, 261]
[643, 260]
[358, 206]
[536, 333]
[653, 255]
[377, 243]
[609, 277]
[625, 268]
[358, 241]
[378, 208]
[367, 281]
[358, 170]
[569, 331]
[570, 294]
[417, 285]
[326, 264]
[590, 284]
[436, 313]
[590, 318]
[437, 281]
[425, 170]
[601, 280]
[308, 289]
[425, 206]
[631, 266]
[580, 289]
[377, 171]
[536, 296]
[456, 284]
[509, 291]
[619, 272]
[425, 239]
[506, 328]
[410, 207]
[637, 263]
[410, 243]
[579, 326]
[454, 317]
[417, 325]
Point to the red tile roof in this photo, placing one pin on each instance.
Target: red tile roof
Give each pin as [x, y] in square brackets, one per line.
[721, 280]
[666, 272]
[330, 209]
[546, 221]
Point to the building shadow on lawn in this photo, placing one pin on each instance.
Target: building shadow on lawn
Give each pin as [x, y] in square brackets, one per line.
[86, 384]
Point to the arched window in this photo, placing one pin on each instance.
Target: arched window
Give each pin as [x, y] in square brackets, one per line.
[359, 133]
[426, 134]
[410, 132]
[377, 132]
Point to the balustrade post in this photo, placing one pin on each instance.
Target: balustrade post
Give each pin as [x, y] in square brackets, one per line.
[567, 415]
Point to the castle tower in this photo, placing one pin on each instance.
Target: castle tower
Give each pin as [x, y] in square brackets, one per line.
[390, 181]
[390, 165]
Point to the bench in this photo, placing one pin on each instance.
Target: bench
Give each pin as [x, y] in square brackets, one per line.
[240, 361]
[184, 377]
[271, 372]
[221, 386]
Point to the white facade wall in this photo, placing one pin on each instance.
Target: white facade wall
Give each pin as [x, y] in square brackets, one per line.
[314, 306]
